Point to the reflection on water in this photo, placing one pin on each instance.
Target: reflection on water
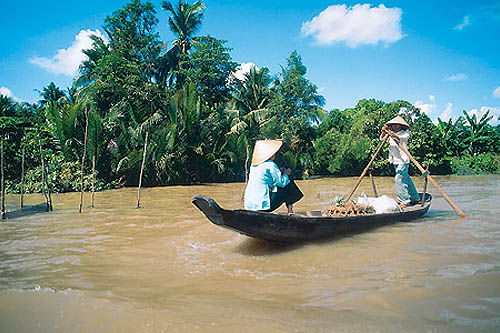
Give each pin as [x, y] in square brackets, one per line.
[164, 267]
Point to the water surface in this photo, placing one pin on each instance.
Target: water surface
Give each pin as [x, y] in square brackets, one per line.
[165, 267]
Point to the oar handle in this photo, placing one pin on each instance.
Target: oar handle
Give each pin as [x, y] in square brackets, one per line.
[366, 169]
[452, 204]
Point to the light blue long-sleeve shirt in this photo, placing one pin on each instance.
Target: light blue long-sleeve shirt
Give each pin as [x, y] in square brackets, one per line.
[263, 178]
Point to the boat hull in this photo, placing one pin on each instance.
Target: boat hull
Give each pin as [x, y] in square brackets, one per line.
[300, 227]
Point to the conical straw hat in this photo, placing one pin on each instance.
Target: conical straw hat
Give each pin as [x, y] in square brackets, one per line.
[264, 150]
[398, 120]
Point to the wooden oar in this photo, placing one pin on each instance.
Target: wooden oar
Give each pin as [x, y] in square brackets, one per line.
[433, 182]
[366, 169]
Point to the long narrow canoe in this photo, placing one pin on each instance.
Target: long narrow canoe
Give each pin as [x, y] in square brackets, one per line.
[298, 227]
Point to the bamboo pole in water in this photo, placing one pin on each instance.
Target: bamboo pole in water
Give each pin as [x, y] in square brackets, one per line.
[83, 158]
[142, 170]
[43, 175]
[21, 199]
[246, 178]
[2, 180]
[373, 185]
[93, 180]
[45, 179]
[425, 185]
[365, 170]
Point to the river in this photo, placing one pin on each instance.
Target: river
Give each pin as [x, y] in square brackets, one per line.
[166, 268]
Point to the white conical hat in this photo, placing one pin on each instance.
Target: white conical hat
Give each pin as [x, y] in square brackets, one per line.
[264, 150]
[398, 120]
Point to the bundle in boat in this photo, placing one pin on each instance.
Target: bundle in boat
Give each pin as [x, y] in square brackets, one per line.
[339, 208]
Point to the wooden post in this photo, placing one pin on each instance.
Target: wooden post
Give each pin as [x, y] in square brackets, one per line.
[142, 169]
[21, 200]
[246, 178]
[246, 165]
[46, 172]
[2, 180]
[43, 175]
[373, 185]
[425, 186]
[365, 170]
[83, 158]
[93, 180]
[452, 204]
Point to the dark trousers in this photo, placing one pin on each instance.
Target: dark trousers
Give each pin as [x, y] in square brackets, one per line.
[289, 195]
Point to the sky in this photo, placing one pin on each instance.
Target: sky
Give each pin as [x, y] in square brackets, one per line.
[441, 56]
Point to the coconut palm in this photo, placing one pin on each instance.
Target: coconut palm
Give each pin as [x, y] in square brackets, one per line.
[7, 106]
[184, 22]
[51, 93]
[253, 92]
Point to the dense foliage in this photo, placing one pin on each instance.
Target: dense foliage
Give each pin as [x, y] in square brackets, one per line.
[202, 121]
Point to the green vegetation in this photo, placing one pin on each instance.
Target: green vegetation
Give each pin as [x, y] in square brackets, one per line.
[202, 121]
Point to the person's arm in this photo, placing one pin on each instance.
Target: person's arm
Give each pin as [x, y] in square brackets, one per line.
[403, 136]
[279, 178]
[383, 132]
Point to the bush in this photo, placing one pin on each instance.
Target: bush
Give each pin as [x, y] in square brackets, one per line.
[62, 177]
[478, 164]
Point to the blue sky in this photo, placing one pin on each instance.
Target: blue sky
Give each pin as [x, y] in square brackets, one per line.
[442, 56]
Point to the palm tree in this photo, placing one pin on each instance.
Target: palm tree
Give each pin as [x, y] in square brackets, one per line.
[253, 92]
[7, 106]
[184, 22]
[51, 93]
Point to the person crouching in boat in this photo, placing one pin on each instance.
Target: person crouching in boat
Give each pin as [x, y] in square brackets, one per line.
[269, 186]
[398, 131]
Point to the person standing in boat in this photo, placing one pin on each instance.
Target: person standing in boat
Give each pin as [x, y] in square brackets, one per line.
[398, 131]
[269, 186]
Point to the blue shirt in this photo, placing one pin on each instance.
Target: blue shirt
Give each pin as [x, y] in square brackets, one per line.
[263, 178]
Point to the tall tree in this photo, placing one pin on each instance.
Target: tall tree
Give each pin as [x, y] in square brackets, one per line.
[184, 22]
[209, 69]
[253, 92]
[297, 107]
[51, 93]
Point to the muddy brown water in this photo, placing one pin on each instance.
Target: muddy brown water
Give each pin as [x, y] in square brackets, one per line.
[166, 268]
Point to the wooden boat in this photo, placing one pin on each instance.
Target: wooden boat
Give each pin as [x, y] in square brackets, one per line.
[311, 225]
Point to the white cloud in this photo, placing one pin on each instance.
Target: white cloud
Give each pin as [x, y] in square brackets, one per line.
[462, 25]
[494, 111]
[446, 114]
[427, 108]
[244, 68]
[456, 77]
[496, 93]
[360, 24]
[5, 92]
[67, 61]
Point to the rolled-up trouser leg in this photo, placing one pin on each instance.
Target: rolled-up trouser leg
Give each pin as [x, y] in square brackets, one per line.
[289, 194]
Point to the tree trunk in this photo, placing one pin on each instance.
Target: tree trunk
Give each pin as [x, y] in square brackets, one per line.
[142, 169]
[83, 158]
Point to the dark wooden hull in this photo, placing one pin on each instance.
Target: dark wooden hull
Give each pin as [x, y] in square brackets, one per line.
[300, 226]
